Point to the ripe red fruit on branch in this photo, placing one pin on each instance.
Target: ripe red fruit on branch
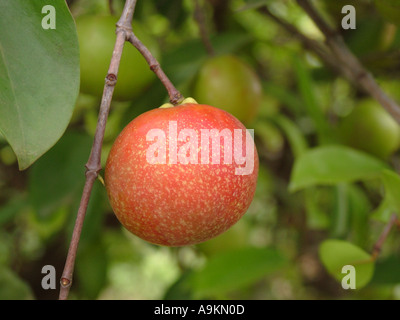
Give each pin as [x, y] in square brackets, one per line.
[181, 175]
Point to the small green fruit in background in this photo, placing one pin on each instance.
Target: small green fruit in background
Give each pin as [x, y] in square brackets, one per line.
[389, 10]
[97, 37]
[371, 128]
[228, 83]
[179, 200]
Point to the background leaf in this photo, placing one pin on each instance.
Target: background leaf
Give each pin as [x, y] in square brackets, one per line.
[391, 200]
[311, 103]
[235, 269]
[335, 254]
[387, 271]
[329, 165]
[12, 287]
[57, 178]
[39, 76]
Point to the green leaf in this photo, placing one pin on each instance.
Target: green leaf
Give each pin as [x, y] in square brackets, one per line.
[95, 212]
[312, 106]
[91, 269]
[285, 96]
[12, 287]
[180, 289]
[235, 269]
[270, 136]
[387, 271]
[341, 212]
[57, 178]
[39, 76]
[360, 208]
[391, 200]
[293, 134]
[253, 4]
[335, 254]
[12, 208]
[330, 165]
[316, 208]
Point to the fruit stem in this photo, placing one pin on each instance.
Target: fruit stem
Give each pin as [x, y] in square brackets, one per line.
[381, 240]
[175, 97]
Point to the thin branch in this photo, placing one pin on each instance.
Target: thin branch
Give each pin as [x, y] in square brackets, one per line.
[93, 166]
[111, 7]
[309, 44]
[201, 22]
[349, 61]
[382, 238]
[175, 97]
[315, 46]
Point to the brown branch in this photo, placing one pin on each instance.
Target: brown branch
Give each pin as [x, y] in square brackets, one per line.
[349, 61]
[315, 46]
[382, 238]
[201, 22]
[111, 7]
[93, 166]
[175, 97]
[312, 45]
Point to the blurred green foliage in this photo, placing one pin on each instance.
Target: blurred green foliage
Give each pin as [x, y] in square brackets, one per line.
[318, 203]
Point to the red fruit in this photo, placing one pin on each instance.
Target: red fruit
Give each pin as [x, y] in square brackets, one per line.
[177, 204]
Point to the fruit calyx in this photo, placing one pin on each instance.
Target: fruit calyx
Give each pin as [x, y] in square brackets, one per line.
[185, 101]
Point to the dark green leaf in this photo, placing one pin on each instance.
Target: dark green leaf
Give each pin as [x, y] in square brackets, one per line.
[253, 4]
[94, 217]
[180, 290]
[39, 76]
[387, 271]
[235, 269]
[293, 134]
[57, 178]
[91, 269]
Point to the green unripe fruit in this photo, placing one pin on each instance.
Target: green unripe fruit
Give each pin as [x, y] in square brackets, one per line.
[229, 84]
[370, 128]
[389, 9]
[96, 40]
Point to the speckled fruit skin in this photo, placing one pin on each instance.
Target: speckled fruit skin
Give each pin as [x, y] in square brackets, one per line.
[176, 204]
